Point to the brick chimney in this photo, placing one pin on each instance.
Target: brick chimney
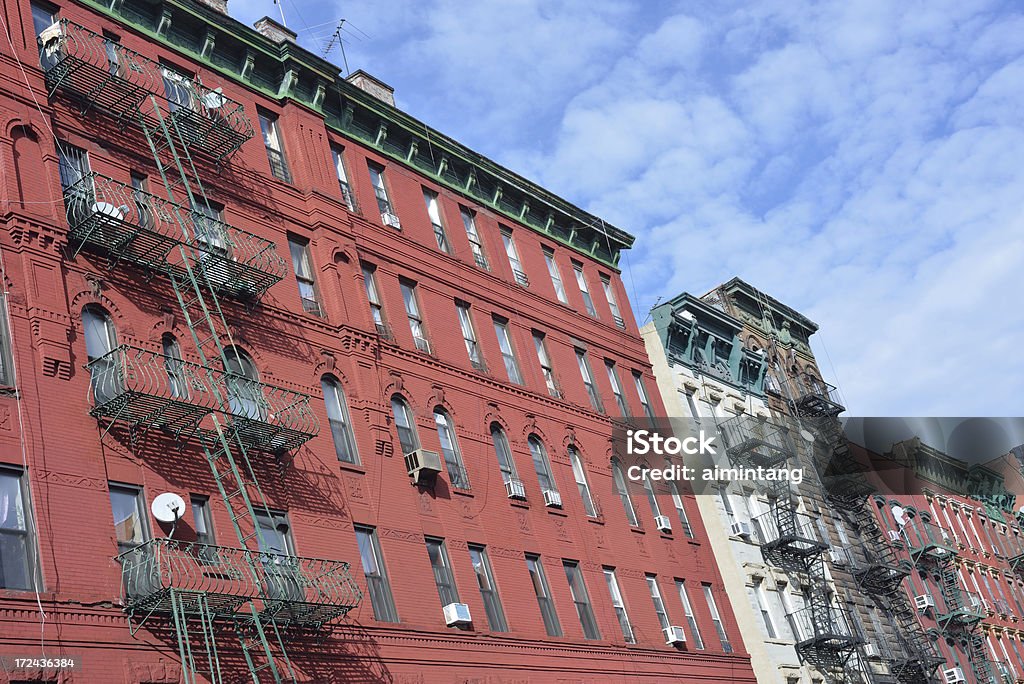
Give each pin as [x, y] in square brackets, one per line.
[216, 5]
[376, 87]
[273, 30]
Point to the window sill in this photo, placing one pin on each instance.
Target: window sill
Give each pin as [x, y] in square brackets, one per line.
[352, 467]
[596, 521]
[780, 642]
[519, 503]
[637, 529]
[556, 511]
[462, 492]
[9, 391]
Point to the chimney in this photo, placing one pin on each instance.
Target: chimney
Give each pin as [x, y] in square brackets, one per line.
[276, 32]
[379, 89]
[216, 5]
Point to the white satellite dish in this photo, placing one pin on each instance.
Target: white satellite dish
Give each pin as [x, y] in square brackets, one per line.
[808, 437]
[168, 507]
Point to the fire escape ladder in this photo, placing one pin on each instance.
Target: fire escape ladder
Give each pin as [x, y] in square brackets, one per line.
[978, 657]
[197, 647]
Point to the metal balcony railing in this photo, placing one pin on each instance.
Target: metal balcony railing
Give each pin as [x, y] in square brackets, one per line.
[830, 628]
[817, 398]
[105, 76]
[299, 591]
[961, 608]
[149, 390]
[123, 223]
[928, 541]
[751, 441]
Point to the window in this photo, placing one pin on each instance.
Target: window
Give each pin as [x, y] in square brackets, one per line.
[787, 607]
[680, 509]
[545, 365]
[716, 618]
[684, 598]
[507, 350]
[303, 266]
[142, 200]
[488, 590]
[692, 405]
[475, 244]
[588, 380]
[577, 269]
[443, 578]
[177, 89]
[275, 151]
[541, 464]
[581, 482]
[613, 304]
[201, 519]
[379, 189]
[621, 489]
[339, 420]
[100, 342]
[618, 605]
[208, 223]
[580, 597]
[43, 17]
[762, 605]
[504, 454]
[404, 424]
[543, 592]
[376, 575]
[174, 366]
[556, 277]
[469, 335]
[372, 296]
[450, 448]
[434, 212]
[652, 498]
[129, 516]
[659, 604]
[245, 393]
[75, 177]
[17, 548]
[338, 154]
[412, 311]
[275, 533]
[613, 378]
[513, 258]
[6, 363]
[638, 380]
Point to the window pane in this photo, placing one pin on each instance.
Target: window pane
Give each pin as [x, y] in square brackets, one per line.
[578, 590]
[543, 593]
[15, 543]
[488, 591]
[404, 425]
[338, 418]
[129, 526]
[504, 454]
[446, 590]
[541, 465]
[376, 576]
[450, 448]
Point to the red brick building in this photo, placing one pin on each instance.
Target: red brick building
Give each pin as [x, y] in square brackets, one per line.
[157, 338]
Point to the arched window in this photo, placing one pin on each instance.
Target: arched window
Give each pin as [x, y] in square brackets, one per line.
[504, 453]
[100, 342]
[541, 464]
[619, 479]
[245, 394]
[404, 424]
[581, 482]
[175, 367]
[651, 498]
[450, 448]
[338, 418]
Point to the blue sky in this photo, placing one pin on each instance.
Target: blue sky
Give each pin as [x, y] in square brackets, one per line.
[862, 162]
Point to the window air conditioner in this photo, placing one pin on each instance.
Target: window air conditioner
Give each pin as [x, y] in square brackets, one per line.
[423, 466]
[389, 219]
[954, 675]
[663, 523]
[740, 528]
[456, 614]
[515, 489]
[674, 634]
[552, 499]
[924, 602]
[894, 535]
[871, 651]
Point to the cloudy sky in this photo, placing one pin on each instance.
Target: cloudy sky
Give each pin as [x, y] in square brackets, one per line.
[863, 162]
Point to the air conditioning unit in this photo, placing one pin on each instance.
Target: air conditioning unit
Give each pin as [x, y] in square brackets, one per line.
[740, 528]
[674, 635]
[389, 219]
[975, 601]
[515, 489]
[663, 523]
[894, 535]
[954, 675]
[839, 556]
[457, 614]
[552, 498]
[924, 602]
[871, 651]
[423, 465]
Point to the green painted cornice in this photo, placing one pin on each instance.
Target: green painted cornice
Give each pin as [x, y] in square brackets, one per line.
[315, 83]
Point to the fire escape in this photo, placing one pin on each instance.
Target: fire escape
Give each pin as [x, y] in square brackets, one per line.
[824, 635]
[914, 658]
[204, 594]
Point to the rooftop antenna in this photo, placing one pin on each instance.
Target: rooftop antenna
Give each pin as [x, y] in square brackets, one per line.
[336, 40]
[280, 8]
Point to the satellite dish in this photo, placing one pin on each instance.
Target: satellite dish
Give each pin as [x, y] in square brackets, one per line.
[808, 437]
[168, 507]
